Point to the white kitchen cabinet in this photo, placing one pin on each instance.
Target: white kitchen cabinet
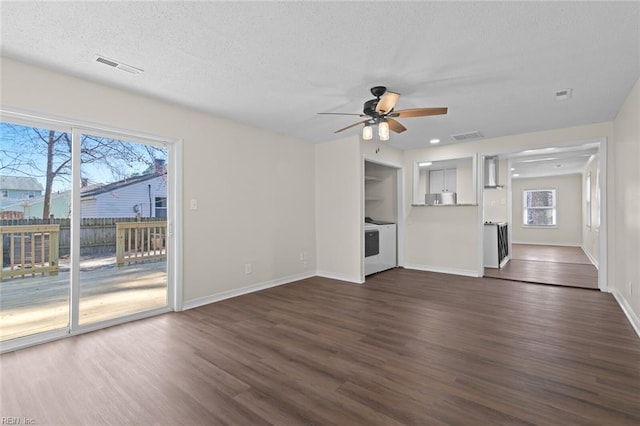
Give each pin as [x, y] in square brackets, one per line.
[442, 181]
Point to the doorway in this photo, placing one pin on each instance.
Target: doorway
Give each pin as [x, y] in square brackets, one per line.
[551, 199]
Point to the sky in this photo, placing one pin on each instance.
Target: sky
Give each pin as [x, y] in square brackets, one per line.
[23, 153]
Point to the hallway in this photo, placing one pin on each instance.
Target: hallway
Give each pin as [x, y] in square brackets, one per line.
[554, 265]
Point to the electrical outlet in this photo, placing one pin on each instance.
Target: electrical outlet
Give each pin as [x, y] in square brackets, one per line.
[194, 204]
[304, 264]
[301, 255]
[247, 268]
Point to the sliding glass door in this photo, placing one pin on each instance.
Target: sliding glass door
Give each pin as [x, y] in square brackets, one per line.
[123, 232]
[35, 229]
[84, 220]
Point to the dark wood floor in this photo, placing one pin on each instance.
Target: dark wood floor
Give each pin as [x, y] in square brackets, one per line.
[555, 265]
[407, 347]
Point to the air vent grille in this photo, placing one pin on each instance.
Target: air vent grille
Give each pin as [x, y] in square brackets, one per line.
[466, 136]
[106, 61]
[118, 65]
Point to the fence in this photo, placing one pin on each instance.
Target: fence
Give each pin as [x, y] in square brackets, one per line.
[140, 241]
[29, 250]
[97, 235]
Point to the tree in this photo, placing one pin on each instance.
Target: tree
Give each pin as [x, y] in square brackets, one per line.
[34, 149]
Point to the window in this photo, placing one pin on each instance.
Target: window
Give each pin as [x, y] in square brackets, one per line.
[539, 207]
[161, 206]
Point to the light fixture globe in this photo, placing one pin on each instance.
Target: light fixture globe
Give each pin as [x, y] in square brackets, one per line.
[383, 130]
[367, 132]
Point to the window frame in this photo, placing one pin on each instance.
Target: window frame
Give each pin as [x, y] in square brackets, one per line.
[553, 208]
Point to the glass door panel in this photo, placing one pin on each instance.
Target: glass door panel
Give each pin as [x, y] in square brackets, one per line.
[35, 197]
[123, 228]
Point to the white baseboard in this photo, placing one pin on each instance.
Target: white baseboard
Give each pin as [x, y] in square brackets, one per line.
[626, 308]
[538, 243]
[339, 277]
[452, 271]
[591, 258]
[200, 301]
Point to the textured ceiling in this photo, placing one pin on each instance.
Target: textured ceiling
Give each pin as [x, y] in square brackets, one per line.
[275, 65]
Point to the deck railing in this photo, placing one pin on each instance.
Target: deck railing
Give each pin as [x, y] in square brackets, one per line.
[29, 250]
[140, 241]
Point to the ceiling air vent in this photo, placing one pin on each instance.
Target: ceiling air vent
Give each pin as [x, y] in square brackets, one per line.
[563, 95]
[118, 65]
[467, 136]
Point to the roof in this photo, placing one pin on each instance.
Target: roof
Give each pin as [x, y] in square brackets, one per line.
[119, 184]
[20, 183]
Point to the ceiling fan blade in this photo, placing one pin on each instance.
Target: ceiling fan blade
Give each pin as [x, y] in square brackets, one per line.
[387, 102]
[353, 125]
[396, 126]
[340, 113]
[418, 112]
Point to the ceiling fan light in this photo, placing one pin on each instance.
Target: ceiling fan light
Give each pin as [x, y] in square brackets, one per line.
[383, 131]
[367, 133]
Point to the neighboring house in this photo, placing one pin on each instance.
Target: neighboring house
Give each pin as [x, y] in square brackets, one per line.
[59, 208]
[144, 195]
[14, 192]
[19, 188]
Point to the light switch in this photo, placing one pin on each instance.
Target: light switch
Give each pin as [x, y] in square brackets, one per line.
[194, 204]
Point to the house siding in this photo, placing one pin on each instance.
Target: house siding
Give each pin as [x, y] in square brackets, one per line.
[120, 202]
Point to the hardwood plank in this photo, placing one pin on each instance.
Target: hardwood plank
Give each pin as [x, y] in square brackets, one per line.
[555, 273]
[547, 253]
[406, 347]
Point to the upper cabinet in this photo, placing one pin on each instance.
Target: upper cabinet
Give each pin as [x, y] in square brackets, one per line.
[442, 181]
[445, 182]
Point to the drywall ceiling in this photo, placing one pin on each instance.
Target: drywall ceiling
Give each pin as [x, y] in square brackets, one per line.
[275, 65]
[551, 161]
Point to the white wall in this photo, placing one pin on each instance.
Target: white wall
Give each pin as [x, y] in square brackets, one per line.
[466, 193]
[443, 239]
[495, 205]
[568, 229]
[626, 236]
[255, 188]
[339, 212]
[591, 235]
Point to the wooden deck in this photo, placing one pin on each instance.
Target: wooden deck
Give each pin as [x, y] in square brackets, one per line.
[554, 265]
[37, 304]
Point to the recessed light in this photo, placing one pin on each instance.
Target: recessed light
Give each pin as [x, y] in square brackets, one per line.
[515, 175]
[513, 168]
[426, 164]
[434, 141]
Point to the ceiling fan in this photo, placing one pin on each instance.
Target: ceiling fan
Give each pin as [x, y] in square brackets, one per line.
[380, 111]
